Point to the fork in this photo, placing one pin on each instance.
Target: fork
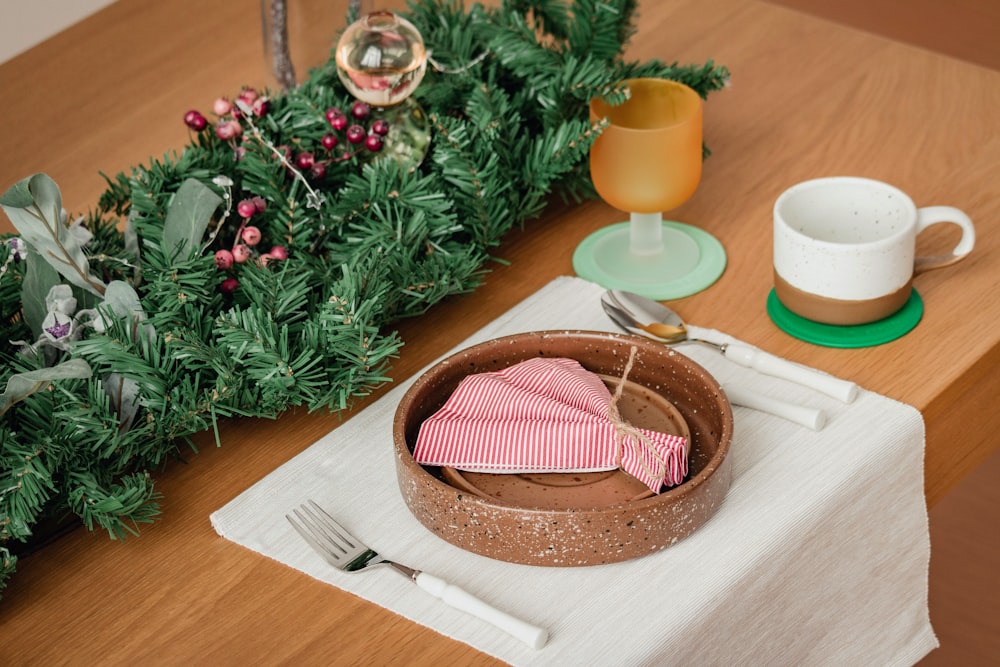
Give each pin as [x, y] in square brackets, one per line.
[345, 552]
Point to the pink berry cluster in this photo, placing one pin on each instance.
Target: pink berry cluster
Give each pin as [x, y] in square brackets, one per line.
[311, 162]
[244, 246]
[227, 125]
[357, 137]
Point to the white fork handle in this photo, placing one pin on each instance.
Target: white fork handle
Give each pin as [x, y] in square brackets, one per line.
[800, 414]
[769, 364]
[531, 635]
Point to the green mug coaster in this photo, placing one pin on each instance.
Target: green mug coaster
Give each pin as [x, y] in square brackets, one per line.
[860, 335]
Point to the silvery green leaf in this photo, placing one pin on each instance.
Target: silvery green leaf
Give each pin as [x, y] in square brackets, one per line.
[187, 218]
[22, 385]
[130, 238]
[124, 394]
[18, 196]
[39, 278]
[82, 235]
[124, 303]
[123, 300]
[34, 205]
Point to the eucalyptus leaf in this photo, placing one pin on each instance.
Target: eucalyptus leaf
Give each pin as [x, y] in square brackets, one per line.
[39, 279]
[124, 394]
[22, 385]
[34, 206]
[17, 196]
[188, 216]
[130, 241]
[123, 301]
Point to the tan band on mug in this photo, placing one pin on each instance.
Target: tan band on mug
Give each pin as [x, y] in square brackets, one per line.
[839, 311]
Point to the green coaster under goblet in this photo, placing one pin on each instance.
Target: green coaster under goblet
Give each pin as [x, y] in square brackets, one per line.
[690, 260]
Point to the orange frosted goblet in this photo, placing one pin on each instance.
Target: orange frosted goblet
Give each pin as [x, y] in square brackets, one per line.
[646, 161]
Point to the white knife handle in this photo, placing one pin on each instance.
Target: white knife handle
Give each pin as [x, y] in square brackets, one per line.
[800, 414]
[781, 368]
[531, 635]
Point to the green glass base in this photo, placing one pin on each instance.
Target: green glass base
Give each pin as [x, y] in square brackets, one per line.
[691, 261]
[859, 335]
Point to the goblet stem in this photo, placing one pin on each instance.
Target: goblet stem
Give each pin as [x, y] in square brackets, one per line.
[646, 233]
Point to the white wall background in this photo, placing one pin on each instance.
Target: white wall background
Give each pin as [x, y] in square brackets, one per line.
[24, 23]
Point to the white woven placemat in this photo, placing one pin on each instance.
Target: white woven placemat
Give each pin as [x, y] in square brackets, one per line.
[818, 556]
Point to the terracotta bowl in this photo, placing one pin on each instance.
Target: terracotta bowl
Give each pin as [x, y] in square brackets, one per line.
[576, 536]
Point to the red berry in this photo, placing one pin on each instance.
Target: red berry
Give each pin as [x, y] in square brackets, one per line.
[229, 285]
[356, 134]
[279, 252]
[373, 142]
[259, 204]
[360, 110]
[333, 112]
[251, 235]
[329, 142]
[260, 107]
[195, 120]
[248, 95]
[222, 106]
[246, 208]
[241, 253]
[228, 129]
[305, 160]
[338, 123]
[224, 259]
[317, 171]
[380, 127]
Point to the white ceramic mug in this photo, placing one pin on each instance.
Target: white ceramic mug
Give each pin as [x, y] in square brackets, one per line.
[845, 248]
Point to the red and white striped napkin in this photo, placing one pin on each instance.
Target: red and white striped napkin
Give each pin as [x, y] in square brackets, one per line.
[545, 415]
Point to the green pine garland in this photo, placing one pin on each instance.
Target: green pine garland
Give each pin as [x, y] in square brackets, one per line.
[162, 353]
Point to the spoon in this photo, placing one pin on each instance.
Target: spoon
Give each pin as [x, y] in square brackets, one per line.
[656, 321]
[799, 414]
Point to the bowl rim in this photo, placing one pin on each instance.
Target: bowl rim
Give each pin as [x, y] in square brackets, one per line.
[405, 456]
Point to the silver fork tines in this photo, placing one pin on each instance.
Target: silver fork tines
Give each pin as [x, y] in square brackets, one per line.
[345, 552]
[324, 534]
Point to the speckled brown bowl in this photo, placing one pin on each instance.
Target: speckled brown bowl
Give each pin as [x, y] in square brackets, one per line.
[573, 537]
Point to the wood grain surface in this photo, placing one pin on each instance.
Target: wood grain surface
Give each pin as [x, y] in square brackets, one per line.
[808, 98]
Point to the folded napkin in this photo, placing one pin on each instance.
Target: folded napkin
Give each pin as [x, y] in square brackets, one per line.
[545, 415]
[817, 556]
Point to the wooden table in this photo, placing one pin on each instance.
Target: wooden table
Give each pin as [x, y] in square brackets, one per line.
[808, 98]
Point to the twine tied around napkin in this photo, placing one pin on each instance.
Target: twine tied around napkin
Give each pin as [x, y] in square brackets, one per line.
[546, 415]
[624, 430]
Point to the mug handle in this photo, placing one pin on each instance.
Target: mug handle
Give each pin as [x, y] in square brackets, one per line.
[932, 215]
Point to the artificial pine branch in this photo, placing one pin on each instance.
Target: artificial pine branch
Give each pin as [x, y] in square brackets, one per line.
[602, 29]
